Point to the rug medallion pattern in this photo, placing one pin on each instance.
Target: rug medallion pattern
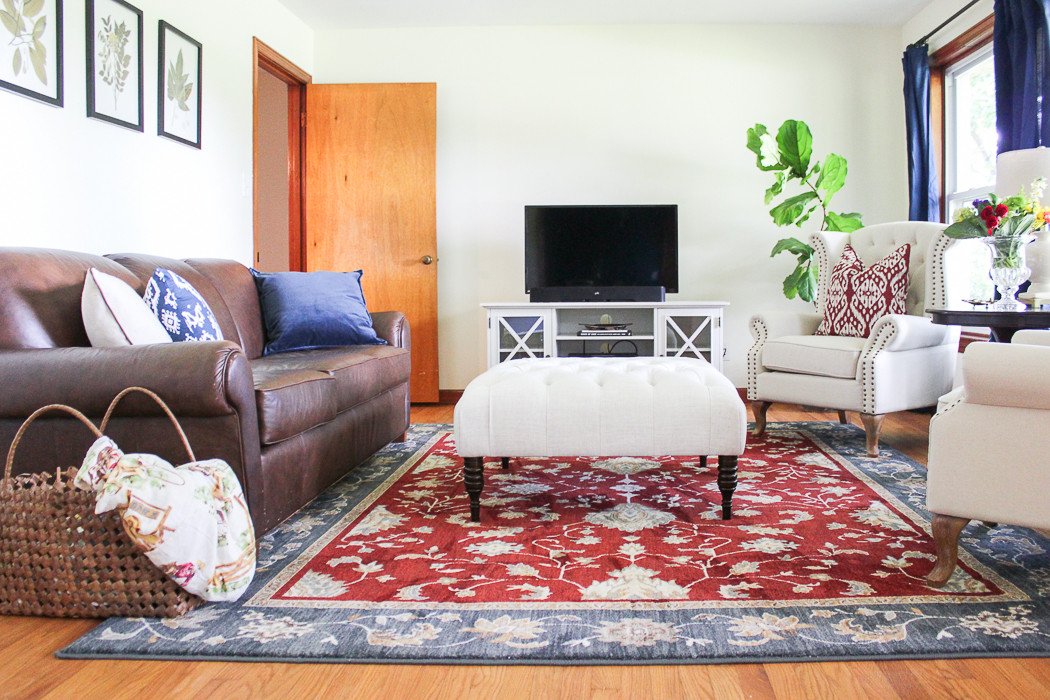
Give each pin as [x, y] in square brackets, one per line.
[613, 560]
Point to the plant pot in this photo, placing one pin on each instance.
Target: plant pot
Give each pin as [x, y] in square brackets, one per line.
[1009, 268]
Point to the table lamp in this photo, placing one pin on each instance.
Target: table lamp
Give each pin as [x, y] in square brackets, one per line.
[1015, 170]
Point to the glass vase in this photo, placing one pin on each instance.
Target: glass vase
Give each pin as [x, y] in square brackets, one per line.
[1009, 269]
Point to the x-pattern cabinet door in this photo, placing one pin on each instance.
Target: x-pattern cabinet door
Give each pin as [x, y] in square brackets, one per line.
[514, 335]
[688, 332]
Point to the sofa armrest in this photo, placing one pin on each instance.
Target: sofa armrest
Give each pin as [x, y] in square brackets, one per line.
[194, 379]
[1031, 337]
[392, 326]
[776, 324]
[997, 374]
[907, 332]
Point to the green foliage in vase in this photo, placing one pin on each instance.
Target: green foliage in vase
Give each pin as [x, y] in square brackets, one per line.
[24, 22]
[789, 156]
[179, 87]
[113, 56]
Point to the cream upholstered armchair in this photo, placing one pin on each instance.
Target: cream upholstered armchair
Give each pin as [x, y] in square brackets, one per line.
[906, 362]
[989, 446]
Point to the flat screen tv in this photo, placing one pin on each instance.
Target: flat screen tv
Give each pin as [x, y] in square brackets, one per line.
[601, 253]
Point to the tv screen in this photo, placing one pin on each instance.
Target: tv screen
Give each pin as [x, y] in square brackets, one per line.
[601, 246]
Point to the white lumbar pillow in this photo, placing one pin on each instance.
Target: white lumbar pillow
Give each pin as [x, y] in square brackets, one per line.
[115, 316]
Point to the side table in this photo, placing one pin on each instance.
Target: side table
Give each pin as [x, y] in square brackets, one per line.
[1002, 323]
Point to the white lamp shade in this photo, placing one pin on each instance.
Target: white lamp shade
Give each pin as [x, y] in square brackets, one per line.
[1015, 170]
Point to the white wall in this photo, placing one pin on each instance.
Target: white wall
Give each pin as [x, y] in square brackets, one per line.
[632, 114]
[938, 11]
[67, 181]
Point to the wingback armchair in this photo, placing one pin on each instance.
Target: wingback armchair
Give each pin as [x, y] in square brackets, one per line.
[906, 362]
[989, 445]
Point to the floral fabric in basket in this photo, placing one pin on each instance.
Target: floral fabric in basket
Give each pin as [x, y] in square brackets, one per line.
[191, 521]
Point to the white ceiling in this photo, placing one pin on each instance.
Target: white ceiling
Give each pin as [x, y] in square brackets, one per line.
[332, 14]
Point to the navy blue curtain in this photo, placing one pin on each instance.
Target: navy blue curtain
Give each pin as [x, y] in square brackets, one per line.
[1022, 73]
[923, 192]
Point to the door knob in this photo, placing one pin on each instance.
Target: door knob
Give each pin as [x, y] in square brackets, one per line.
[427, 260]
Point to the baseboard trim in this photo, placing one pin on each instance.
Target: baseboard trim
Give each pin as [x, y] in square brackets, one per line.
[449, 397]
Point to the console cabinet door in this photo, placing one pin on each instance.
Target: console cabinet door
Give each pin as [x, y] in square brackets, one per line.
[690, 333]
[517, 334]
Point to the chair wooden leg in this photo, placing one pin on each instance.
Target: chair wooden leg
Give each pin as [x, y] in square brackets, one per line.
[842, 417]
[873, 427]
[946, 531]
[760, 408]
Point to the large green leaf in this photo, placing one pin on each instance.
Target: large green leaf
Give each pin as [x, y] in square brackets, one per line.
[764, 146]
[807, 285]
[792, 209]
[793, 246]
[32, 7]
[796, 146]
[832, 176]
[9, 5]
[1016, 225]
[846, 223]
[792, 281]
[776, 188]
[967, 228]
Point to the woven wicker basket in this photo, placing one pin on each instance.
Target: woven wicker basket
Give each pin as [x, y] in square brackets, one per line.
[59, 559]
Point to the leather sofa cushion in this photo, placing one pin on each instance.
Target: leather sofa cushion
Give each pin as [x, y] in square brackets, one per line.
[821, 355]
[290, 402]
[40, 293]
[234, 282]
[361, 372]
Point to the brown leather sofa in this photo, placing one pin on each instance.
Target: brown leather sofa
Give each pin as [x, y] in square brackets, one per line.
[289, 424]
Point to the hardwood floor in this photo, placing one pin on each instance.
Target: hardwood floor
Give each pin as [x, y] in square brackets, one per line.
[28, 669]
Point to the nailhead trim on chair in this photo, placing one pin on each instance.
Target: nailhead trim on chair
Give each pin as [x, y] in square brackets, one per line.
[867, 365]
[761, 334]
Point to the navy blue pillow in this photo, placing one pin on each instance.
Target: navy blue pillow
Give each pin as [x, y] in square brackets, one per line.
[305, 310]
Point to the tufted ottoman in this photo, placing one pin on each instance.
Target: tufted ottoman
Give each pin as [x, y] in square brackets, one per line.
[601, 407]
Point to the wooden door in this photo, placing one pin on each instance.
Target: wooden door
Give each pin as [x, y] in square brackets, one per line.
[370, 202]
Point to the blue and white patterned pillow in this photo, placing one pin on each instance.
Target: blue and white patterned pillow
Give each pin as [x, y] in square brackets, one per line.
[181, 309]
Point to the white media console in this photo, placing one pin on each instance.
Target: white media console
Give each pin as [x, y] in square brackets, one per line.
[658, 329]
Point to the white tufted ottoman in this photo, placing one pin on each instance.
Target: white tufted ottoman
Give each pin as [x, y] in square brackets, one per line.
[601, 407]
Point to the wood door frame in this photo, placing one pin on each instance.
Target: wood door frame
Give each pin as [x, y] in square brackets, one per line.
[266, 58]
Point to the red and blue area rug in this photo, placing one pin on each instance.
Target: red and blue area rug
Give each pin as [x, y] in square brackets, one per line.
[623, 560]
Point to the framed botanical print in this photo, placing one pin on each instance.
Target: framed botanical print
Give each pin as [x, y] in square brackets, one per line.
[114, 63]
[31, 49]
[179, 86]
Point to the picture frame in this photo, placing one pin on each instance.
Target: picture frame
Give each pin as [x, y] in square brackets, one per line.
[179, 95]
[114, 63]
[31, 60]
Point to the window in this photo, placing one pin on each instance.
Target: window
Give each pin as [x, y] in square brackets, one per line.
[969, 152]
[970, 136]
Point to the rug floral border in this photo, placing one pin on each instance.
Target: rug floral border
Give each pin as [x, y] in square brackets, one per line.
[1015, 624]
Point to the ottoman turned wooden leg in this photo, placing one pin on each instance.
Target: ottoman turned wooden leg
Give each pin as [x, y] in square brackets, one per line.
[474, 479]
[727, 483]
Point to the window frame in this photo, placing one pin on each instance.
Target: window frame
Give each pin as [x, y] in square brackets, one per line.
[948, 193]
[975, 39]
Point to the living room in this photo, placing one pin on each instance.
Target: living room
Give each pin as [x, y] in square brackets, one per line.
[551, 104]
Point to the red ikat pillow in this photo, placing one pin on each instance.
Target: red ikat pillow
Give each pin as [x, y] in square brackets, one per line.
[858, 297]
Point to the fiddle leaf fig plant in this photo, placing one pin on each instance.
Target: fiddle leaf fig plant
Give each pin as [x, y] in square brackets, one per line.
[789, 156]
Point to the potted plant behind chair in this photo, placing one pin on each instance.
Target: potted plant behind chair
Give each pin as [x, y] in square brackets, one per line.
[789, 156]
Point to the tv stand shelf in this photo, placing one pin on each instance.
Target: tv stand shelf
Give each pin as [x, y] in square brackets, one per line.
[658, 329]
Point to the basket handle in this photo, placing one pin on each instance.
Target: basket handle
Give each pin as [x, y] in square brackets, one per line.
[28, 421]
[160, 402]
